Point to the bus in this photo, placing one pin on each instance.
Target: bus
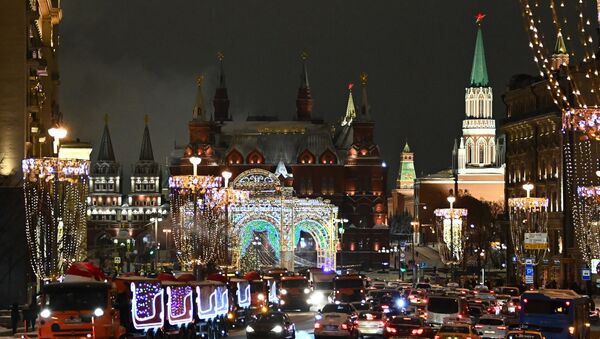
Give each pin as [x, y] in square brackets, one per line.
[440, 309]
[349, 288]
[556, 313]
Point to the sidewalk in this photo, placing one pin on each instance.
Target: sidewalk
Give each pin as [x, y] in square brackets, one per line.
[7, 333]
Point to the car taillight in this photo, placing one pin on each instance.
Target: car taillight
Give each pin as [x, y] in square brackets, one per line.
[417, 331]
[436, 337]
[381, 324]
[392, 330]
[501, 327]
[425, 301]
[460, 316]
[344, 326]
[355, 322]
[317, 325]
[468, 338]
[478, 326]
[571, 330]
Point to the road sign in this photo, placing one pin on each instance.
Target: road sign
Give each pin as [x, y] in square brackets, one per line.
[586, 274]
[402, 246]
[402, 255]
[536, 241]
[528, 261]
[117, 260]
[528, 273]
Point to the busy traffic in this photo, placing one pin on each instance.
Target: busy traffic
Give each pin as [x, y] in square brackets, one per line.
[275, 303]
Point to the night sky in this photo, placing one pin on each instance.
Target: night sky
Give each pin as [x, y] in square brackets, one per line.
[136, 57]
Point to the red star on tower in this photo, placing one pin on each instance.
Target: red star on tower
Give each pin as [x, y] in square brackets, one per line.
[479, 18]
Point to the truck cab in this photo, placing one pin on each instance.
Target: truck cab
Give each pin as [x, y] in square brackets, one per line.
[294, 293]
[349, 288]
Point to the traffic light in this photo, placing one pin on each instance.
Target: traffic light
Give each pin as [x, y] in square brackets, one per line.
[152, 251]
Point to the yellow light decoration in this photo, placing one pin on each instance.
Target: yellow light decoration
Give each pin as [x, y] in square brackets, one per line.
[450, 231]
[55, 193]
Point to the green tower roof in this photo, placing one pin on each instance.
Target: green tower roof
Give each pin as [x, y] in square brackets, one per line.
[560, 47]
[479, 76]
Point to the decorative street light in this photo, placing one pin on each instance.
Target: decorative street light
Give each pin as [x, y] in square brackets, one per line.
[57, 132]
[226, 175]
[195, 161]
[256, 243]
[529, 227]
[341, 230]
[450, 233]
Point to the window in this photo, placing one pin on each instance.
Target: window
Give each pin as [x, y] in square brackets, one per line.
[481, 155]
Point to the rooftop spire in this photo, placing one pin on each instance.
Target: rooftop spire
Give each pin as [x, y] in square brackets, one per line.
[105, 152]
[479, 76]
[406, 148]
[560, 47]
[199, 106]
[365, 109]
[560, 56]
[146, 153]
[221, 99]
[350, 108]
[304, 101]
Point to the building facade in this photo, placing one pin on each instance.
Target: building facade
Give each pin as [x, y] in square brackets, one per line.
[336, 161]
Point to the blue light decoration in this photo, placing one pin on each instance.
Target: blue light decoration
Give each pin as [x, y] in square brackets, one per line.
[222, 300]
[179, 305]
[206, 301]
[147, 305]
[243, 294]
[247, 235]
[273, 292]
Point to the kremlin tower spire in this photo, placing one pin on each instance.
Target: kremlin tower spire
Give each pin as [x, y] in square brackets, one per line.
[479, 127]
[198, 113]
[304, 102]
[146, 153]
[221, 100]
[560, 56]
[406, 173]
[350, 109]
[365, 109]
[105, 151]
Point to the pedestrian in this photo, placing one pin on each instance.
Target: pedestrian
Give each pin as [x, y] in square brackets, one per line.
[33, 313]
[14, 317]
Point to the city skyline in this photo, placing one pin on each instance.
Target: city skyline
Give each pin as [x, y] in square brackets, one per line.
[263, 74]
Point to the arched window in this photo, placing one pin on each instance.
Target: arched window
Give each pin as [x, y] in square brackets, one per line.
[234, 157]
[255, 157]
[481, 151]
[306, 157]
[328, 157]
[492, 151]
[470, 151]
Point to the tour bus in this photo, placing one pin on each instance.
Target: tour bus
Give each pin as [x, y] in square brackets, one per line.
[294, 293]
[556, 313]
[442, 308]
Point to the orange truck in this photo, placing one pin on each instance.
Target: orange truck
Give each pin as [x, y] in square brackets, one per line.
[349, 288]
[79, 310]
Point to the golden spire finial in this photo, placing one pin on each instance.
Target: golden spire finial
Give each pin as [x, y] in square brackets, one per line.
[146, 119]
[304, 55]
[364, 77]
[106, 119]
[200, 80]
[220, 56]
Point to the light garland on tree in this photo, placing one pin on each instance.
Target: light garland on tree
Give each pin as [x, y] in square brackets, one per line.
[450, 230]
[55, 193]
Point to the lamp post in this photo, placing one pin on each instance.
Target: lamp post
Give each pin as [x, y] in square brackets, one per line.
[156, 217]
[195, 161]
[57, 132]
[226, 175]
[256, 243]
[451, 199]
[167, 232]
[414, 224]
[341, 230]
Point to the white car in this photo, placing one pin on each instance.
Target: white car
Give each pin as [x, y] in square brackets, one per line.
[335, 320]
[491, 327]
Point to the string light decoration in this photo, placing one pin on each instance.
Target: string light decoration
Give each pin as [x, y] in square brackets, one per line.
[573, 80]
[198, 211]
[528, 217]
[147, 308]
[180, 309]
[55, 193]
[450, 229]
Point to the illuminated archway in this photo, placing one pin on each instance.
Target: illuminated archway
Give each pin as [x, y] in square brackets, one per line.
[272, 208]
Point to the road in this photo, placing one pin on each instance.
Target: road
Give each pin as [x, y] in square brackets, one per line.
[305, 321]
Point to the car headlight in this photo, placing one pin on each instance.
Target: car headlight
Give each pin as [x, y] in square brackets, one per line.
[261, 297]
[45, 313]
[400, 303]
[277, 329]
[98, 312]
[306, 290]
[318, 317]
[249, 329]
[283, 291]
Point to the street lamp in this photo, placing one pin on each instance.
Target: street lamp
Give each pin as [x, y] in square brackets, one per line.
[156, 217]
[226, 175]
[257, 243]
[341, 230]
[195, 161]
[167, 232]
[414, 225]
[57, 132]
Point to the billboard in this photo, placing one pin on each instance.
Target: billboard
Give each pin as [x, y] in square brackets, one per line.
[594, 266]
[536, 241]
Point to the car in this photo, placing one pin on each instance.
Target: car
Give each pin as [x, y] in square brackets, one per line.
[404, 327]
[369, 323]
[457, 331]
[361, 306]
[417, 297]
[335, 320]
[378, 284]
[491, 327]
[524, 334]
[512, 291]
[271, 325]
[512, 306]
[476, 312]
[423, 286]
